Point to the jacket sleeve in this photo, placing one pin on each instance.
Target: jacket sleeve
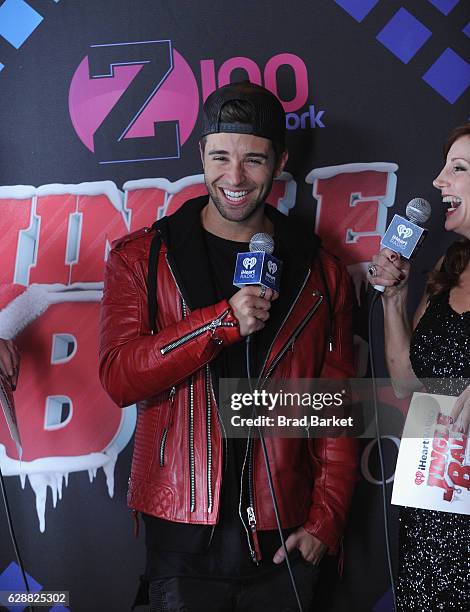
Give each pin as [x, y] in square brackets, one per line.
[133, 366]
[335, 460]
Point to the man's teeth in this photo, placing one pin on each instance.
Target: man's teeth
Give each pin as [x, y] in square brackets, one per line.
[234, 195]
[454, 202]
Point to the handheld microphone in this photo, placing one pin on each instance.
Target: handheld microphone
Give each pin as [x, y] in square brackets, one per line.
[258, 266]
[405, 236]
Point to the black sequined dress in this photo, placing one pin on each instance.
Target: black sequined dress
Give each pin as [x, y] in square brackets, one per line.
[434, 547]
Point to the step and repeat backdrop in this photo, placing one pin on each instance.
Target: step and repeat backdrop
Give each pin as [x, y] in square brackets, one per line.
[100, 111]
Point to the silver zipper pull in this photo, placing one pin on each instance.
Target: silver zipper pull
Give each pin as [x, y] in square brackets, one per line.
[172, 394]
[251, 517]
[218, 322]
[214, 325]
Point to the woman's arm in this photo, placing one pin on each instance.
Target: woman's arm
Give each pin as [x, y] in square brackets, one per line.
[393, 273]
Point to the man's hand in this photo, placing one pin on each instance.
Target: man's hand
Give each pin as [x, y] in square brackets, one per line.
[461, 412]
[252, 310]
[9, 361]
[311, 548]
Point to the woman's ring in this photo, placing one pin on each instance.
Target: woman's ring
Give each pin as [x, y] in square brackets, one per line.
[263, 291]
[372, 270]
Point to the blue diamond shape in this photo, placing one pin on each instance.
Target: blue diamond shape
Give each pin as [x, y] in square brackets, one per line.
[12, 580]
[445, 6]
[466, 29]
[404, 35]
[2, 66]
[449, 75]
[357, 8]
[17, 21]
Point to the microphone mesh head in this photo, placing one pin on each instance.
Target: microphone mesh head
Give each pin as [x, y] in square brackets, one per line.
[418, 210]
[262, 242]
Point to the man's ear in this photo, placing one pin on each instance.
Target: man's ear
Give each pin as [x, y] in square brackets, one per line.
[281, 163]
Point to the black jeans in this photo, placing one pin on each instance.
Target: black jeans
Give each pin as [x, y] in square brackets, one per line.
[272, 592]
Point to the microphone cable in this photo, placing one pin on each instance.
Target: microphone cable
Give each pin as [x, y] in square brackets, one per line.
[270, 479]
[380, 449]
[13, 536]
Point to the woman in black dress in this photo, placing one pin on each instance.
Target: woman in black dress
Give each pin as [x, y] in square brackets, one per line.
[434, 547]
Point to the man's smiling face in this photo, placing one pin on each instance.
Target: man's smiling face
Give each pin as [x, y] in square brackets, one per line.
[239, 170]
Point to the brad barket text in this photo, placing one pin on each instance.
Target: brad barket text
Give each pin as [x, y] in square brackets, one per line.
[312, 420]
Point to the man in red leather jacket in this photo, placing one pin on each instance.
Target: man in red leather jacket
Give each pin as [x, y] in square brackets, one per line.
[210, 525]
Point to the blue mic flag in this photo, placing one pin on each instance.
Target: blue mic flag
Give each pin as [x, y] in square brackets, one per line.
[403, 236]
[257, 268]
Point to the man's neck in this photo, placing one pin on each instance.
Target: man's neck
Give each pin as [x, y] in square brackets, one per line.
[238, 231]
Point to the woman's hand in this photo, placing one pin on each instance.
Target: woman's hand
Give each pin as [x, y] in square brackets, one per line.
[460, 413]
[389, 270]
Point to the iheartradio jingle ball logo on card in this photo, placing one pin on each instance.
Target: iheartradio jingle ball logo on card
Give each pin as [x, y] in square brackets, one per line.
[442, 456]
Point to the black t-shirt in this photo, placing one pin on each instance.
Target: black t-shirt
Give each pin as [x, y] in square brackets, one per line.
[220, 551]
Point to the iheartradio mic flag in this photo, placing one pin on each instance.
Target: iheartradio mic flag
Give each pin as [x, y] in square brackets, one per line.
[433, 465]
[257, 268]
[403, 236]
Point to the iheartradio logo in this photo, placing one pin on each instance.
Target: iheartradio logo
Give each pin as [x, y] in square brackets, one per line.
[404, 232]
[272, 267]
[249, 262]
[419, 478]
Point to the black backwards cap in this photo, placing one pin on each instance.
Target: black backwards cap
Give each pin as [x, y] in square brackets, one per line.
[268, 117]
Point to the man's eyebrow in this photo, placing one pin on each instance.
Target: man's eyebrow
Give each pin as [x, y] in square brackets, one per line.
[256, 154]
[249, 154]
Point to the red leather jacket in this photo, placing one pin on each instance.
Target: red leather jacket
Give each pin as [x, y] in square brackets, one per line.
[178, 455]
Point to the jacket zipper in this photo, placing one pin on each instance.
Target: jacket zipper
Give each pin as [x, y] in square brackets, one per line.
[192, 478]
[251, 508]
[224, 437]
[167, 427]
[251, 515]
[192, 481]
[208, 437]
[256, 553]
[212, 326]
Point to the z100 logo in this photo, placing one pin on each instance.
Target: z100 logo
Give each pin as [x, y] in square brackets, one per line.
[139, 101]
